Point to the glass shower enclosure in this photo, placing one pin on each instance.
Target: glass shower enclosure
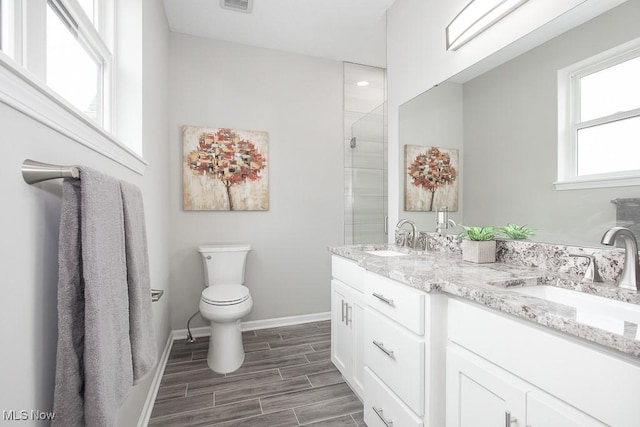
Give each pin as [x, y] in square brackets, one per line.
[366, 179]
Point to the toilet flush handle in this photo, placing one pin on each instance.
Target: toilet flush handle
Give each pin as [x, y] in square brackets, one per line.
[208, 256]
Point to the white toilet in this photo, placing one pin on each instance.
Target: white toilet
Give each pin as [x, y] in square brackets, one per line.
[224, 302]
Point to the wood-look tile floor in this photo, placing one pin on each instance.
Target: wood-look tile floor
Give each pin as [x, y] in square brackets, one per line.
[287, 379]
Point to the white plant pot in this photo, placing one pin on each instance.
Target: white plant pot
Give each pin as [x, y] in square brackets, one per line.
[479, 252]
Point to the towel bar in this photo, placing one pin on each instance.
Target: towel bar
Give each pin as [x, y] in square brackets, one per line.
[34, 172]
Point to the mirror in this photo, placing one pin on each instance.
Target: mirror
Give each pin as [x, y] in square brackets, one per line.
[505, 124]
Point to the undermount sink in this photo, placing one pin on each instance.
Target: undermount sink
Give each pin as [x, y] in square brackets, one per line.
[386, 253]
[593, 310]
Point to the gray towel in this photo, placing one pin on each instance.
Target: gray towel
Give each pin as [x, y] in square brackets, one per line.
[69, 387]
[94, 369]
[143, 343]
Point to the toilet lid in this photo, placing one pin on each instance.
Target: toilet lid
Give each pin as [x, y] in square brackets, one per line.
[225, 294]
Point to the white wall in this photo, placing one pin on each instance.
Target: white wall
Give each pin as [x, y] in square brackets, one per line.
[30, 220]
[298, 101]
[417, 59]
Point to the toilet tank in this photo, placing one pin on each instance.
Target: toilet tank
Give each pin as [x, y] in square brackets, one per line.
[224, 264]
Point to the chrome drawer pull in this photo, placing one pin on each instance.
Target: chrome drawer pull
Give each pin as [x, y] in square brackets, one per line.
[383, 298]
[508, 419]
[381, 347]
[343, 316]
[378, 412]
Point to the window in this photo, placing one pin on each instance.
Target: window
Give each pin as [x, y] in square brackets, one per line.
[7, 29]
[599, 120]
[57, 67]
[3, 24]
[66, 44]
[78, 60]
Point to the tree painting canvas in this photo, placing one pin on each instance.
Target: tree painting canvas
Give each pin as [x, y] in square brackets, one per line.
[225, 169]
[431, 179]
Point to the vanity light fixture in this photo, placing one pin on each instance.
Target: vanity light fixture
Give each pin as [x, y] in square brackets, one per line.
[363, 83]
[476, 17]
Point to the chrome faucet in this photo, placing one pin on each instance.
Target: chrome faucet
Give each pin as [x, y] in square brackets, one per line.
[413, 237]
[442, 220]
[631, 270]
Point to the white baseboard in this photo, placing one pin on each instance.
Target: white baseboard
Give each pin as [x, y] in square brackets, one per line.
[285, 321]
[204, 331]
[145, 416]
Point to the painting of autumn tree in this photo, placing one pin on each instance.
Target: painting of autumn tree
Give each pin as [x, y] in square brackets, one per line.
[431, 178]
[225, 169]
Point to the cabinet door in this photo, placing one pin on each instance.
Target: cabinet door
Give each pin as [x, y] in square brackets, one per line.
[356, 322]
[546, 410]
[341, 343]
[479, 394]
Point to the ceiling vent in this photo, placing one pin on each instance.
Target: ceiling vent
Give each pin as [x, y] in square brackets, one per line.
[237, 5]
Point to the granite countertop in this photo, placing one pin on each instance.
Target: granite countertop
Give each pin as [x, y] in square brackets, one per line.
[492, 285]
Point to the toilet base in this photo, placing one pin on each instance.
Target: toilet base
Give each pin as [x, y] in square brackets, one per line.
[226, 351]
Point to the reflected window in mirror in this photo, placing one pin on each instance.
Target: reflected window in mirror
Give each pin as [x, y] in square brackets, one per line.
[599, 120]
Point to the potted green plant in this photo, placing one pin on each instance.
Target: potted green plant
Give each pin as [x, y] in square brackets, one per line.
[516, 232]
[478, 244]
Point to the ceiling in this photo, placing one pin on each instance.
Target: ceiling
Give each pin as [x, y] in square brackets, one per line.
[343, 30]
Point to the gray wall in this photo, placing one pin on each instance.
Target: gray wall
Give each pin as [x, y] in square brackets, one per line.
[30, 219]
[298, 101]
[432, 119]
[510, 128]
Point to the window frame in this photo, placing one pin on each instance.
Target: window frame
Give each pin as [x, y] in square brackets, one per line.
[92, 41]
[11, 38]
[22, 84]
[569, 124]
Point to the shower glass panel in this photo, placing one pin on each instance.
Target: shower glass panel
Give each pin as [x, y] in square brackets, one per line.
[366, 156]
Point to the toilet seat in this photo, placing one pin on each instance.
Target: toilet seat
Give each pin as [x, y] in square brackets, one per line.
[225, 294]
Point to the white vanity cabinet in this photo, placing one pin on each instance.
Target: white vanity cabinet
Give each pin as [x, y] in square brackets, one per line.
[347, 322]
[504, 372]
[404, 354]
[480, 394]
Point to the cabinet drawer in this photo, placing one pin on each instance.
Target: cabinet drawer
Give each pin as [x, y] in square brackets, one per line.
[396, 356]
[348, 272]
[400, 302]
[383, 408]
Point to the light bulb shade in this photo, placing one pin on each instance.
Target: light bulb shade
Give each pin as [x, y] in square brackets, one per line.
[476, 17]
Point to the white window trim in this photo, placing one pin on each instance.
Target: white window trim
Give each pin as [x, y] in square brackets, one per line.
[567, 177]
[13, 44]
[100, 52]
[22, 91]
